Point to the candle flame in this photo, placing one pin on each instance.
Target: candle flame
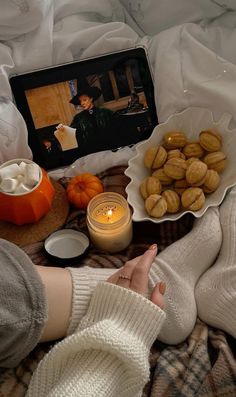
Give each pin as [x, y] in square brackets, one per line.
[109, 214]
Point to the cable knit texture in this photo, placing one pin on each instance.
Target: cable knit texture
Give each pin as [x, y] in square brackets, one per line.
[108, 353]
[180, 265]
[215, 291]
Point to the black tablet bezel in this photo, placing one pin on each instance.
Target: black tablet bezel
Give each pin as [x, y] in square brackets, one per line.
[69, 71]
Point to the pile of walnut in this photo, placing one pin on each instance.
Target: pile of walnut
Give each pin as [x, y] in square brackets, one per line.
[182, 172]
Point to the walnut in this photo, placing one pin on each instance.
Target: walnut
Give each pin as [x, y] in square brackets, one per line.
[150, 185]
[156, 205]
[163, 178]
[174, 140]
[210, 140]
[175, 168]
[180, 186]
[172, 200]
[193, 149]
[155, 157]
[215, 161]
[193, 198]
[211, 182]
[175, 153]
[196, 173]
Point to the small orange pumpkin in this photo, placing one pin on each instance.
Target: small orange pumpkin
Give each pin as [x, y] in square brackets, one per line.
[82, 188]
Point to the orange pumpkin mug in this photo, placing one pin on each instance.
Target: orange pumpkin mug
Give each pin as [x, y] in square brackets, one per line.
[28, 207]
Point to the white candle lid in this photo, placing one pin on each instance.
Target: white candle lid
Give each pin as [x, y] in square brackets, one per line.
[66, 246]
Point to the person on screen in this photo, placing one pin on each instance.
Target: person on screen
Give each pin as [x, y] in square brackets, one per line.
[93, 125]
[50, 146]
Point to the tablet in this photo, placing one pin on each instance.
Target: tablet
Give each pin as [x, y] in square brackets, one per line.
[78, 108]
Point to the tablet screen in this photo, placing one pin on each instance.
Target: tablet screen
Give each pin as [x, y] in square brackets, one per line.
[86, 106]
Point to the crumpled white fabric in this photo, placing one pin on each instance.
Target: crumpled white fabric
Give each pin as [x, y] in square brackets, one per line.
[13, 133]
[190, 44]
[154, 16]
[95, 163]
[194, 65]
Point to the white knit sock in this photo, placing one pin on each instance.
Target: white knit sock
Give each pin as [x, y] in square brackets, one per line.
[216, 290]
[180, 265]
[84, 281]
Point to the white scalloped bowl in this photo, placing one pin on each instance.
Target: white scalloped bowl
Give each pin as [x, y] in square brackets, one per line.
[191, 121]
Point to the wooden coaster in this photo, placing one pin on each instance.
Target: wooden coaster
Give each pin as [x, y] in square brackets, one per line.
[34, 232]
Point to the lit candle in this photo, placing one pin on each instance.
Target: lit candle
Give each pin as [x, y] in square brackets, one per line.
[109, 222]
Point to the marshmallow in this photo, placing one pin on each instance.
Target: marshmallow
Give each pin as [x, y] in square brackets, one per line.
[20, 178]
[10, 171]
[32, 176]
[22, 188]
[8, 185]
[22, 166]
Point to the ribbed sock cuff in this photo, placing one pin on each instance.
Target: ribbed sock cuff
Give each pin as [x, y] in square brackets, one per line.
[84, 281]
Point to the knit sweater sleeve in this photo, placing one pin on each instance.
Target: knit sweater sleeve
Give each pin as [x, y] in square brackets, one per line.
[107, 356]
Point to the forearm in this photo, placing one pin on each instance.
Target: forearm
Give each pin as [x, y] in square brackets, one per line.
[68, 292]
[58, 291]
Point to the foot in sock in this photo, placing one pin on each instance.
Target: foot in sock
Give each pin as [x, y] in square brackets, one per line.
[180, 266]
[216, 292]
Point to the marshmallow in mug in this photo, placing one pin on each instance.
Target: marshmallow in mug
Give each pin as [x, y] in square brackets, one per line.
[19, 178]
[31, 174]
[10, 171]
[9, 184]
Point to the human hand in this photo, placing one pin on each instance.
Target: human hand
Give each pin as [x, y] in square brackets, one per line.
[60, 127]
[134, 275]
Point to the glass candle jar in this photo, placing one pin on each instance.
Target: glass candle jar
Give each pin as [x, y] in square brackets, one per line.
[109, 222]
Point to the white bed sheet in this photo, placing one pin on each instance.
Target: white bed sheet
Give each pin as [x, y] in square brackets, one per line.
[190, 43]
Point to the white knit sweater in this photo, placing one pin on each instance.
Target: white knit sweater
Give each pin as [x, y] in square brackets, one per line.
[108, 353]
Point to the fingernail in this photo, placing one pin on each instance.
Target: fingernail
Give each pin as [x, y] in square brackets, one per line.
[162, 287]
[153, 247]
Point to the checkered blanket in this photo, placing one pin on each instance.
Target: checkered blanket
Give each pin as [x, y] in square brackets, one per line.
[202, 366]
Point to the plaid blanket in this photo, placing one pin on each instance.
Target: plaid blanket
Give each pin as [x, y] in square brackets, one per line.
[202, 366]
